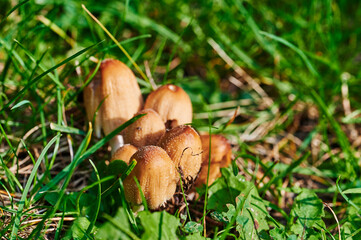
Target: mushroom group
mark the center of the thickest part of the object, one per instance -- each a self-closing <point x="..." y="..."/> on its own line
<point x="167" y="150"/>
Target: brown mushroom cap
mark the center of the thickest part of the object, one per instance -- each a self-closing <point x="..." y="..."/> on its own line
<point x="184" y="147"/>
<point x="124" y="153"/>
<point x="146" y="130"/>
<point x="156" y="174"/>
<point x="172" y="103"/>
<point x="214" y="173"/>
<point x="121" y="92"/>
<point x="221" y="151"/>
<point x="221" y="156"/>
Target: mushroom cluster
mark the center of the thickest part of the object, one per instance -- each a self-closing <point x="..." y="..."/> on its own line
<point x="167" y="150"/>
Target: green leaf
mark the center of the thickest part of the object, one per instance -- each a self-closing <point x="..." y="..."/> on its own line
<point x="195" y="236"/>
<point x="79" y="227"/>
<point x="159" y="225"/>
<point x="251" y="220"/>
<point x="193" y="227"/>
<point x="308" y="210"/>
<point x="277" y="233"/>
<point x="219" y="217"/>
<point x="110" y="231"/>
<point x="52" y="198"/>
<point x="225" y="190"/>
<point x="249" y="212"/>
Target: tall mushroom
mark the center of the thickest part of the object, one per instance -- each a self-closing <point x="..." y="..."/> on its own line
<point x="116" y="85"/>
<point x="156" y="174"/>
<point x="172" y="103"/>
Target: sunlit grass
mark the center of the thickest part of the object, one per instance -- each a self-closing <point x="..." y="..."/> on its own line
<point x="292" y="69"/>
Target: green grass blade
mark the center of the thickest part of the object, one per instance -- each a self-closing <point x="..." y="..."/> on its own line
<point x="21" y="103"/>
<point x="108" y="178"/>
<point x="33" y="81"/>
<point x="123" y="175"/>
<point x="66" y="129"/>
<point x="351" y="164"/>
<point x="346" y="198"/>
<point x="13" y="9"/>
<point x="294" y="48"/>
<point x="27" y="188"/>
<point x="144" y="201"/>
<point x="79" y="157"/>
<point x="255" y="29"/>
<point x="60" y="225"/>
<point x="127" y="208"/>
<point x="284" y="173"/>
<point x="42" y="67"/>
<point x="99" y="196"/>
<point x="120" y="227"/>
<point x="145" y="22"/>
<point x="10" y="176"/>
<point x="352" y="191"/>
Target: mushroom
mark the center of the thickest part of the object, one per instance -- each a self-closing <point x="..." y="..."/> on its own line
<point x="156" y="174"/>
<point x="92" y="100"/>
<point x="172" y="103"/>
<point x="124" y="153"/>
<point x="116" y="85"/>
<point x="221" y="154"/>
<point x="184" y="147"/>
<point x="214" y="173"/>
<point x="146" y="130"/>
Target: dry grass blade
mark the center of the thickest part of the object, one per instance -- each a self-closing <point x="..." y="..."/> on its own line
<point x="240" y="71"/>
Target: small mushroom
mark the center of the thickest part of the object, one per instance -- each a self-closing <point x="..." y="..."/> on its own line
<point x="156" y="174"/>
<point x="184" y="147"/>
<point x="172" y="103"/>
<point x="124" y="153"/>
<point x="221" y="151"/>
<point x="146" y="130"/>
<point x="214" y="173"/>
<point x="221" y="156"/>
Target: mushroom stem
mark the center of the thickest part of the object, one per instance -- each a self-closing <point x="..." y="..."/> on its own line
<point x="116" y="143"/>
